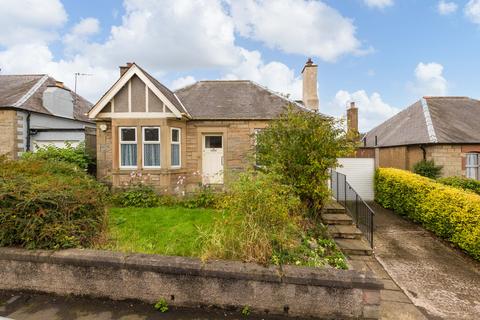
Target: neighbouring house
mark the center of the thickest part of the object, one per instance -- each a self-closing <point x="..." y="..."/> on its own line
<point x="37" y="110"/>
<point x="443" y="129"/>
<point x="192" y="136"/>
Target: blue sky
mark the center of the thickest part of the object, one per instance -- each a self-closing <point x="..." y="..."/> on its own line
<point x="383" y="54"/>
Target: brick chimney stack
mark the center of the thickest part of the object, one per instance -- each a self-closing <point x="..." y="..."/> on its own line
<point x="352" y="119"/>
<point x="310" y="96"/>
<point x="124" y="69"/>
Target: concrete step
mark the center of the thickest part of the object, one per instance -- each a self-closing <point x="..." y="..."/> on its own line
<point x="336" y="219"/>
<point x="333" y="207"/>
<point x="358" y="247"/>
<point x="344" y="231"/>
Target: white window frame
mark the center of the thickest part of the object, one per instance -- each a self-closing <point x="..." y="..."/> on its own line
<point x="256" y="131"/>
<point x="476" y="167"/>
<point x="120" y="142"/>
<point x="151" y="142"/>
<point x="179" y="143"/>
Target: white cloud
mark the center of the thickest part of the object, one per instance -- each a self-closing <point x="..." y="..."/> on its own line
<point x="446" y="7"/>
<point x="472" y="11"/>
<point x="78" y="37"/>
<point x="274" y="75"/>
<point x="182" y="82"/>
<point x="429" y="80"/>
<point x="372" y="110"/>
<point x="310" y="28"/>
<point x="381" y="4"/>
<point x="30" y="21"/>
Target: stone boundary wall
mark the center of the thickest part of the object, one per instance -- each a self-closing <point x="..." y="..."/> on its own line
<point x="187" y="282"/>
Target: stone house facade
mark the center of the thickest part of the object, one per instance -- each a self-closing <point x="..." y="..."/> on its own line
<point x="177" y="141"/>
<point x="37" y="110"/>
<point x="443" y="129"/>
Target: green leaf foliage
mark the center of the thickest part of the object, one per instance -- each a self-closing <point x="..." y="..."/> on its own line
<point x="49" y="204"/>
<point x="74" y="155"/>
<point x="462" y="183"/>
<point x="299" y="148"/>
<point x="427" y="168"/>
<point x="451" y="213"/>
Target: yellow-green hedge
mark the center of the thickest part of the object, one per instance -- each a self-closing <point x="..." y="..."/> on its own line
<point x="451" y="213"/>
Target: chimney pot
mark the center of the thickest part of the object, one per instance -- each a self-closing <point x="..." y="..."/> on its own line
<point x="352" y="105"/>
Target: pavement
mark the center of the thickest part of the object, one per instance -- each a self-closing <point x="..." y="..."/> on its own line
<point x="37" y="306"/>
<point x="441" y="281"/>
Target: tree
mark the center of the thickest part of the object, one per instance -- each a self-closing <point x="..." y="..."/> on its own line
<point x="300" y="147"/>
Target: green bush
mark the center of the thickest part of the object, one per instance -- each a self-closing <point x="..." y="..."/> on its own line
<point x="260" y="215"/>
<point x="300" y="148"/>
<point x="49" y="204"/>
<point x="74" y="155"/>
<point x="138" y="196"/>
<point x="427" y="168"/>
<point x="462" y="183"/>
<point x="450" y="213"/>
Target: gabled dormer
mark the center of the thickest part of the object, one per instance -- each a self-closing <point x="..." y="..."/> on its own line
<point x="137" y="95"/>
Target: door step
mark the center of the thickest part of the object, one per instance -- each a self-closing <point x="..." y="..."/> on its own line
<point x="336" y="219"/>
<point x="344" y="231"/>
<point x="354" y="247"/>
<point x="333" y="207"/>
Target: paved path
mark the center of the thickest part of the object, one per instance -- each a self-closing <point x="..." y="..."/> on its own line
<point x="439" y="279"/>
<point x="28" y="306"/>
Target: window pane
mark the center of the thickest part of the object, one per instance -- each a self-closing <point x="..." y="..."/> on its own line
<point x="175" y="135"/>
<point x="472" y="173"/>
<point x="128" y="134"/>
<point x="472" y="159"/>
<point x="151" y="134"/>
<point x="151" y="155"/>
<point x="175" y="155"/>
<point x="213" y="141"/>
<point x="128" y="155"/>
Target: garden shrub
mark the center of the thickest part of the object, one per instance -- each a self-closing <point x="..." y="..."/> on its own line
<point x="260" y="214"/>
<point x="138" y="196"/>
<point x="451" y="213"/>
<point x="49" y="204"/>
<point x="427" y="168"/>
<point x="462" y="183"/>
<point x="300" y="148"/>
<point x="74" y="155"/>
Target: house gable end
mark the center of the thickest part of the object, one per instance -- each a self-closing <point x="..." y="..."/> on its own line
<point x="131" y="96"/>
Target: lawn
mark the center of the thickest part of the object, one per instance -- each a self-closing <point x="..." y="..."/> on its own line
<point x="162" y="230"/>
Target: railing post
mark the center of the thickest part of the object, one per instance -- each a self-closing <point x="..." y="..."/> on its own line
<point x="338" y="187"/>
<point x="356" y="209"/>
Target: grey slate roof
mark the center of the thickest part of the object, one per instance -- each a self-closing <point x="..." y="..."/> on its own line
<point x="453" y="120"/>
<point x="231" y="99"/>
<point x="26" y="92"/>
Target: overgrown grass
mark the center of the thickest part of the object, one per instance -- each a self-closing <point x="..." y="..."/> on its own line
<point x="161" y="230"/>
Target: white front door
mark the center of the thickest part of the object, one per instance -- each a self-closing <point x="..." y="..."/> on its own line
<point x="212" y="160"/>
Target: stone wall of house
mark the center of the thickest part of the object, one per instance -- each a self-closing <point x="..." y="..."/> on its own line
<point x="448" y="156"/>
<point x="8" y="136"/>
<point x="104" y="151"/>
<point x="237" y="144"/>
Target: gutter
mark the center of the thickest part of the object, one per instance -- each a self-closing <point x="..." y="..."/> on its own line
<point x="28" y="131"/>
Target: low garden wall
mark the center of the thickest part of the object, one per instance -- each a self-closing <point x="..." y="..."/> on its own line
<point x="187" y="282"/>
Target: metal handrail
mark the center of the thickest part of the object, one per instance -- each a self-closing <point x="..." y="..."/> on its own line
<point x="360" y="212"/>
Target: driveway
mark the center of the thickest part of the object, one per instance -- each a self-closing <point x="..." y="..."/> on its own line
<point x="439" y="279"/>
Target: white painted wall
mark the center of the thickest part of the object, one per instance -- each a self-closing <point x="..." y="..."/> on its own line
<point x="360" y="174"/>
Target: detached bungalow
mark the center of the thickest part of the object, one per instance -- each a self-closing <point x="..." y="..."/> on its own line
<point x="443" y="129"/>
<point x="37" y="110"/>
<point x="193" y="135"/>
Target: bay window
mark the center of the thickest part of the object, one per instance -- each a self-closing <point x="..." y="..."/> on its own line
<point x="151" y="147"/>
<point x="472" y="166"/>
<point x="175" y="148"/>
<point x="128" y="147"/>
